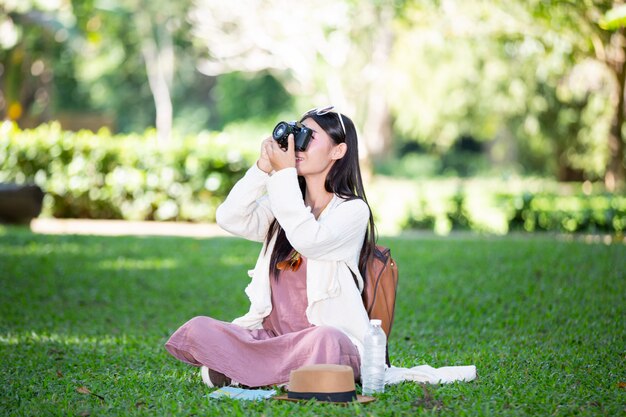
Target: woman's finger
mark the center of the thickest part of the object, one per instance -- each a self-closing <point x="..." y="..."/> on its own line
<point x="291" y="142"/>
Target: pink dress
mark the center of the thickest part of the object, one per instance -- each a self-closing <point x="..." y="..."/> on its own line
<point x="265" y="356"/>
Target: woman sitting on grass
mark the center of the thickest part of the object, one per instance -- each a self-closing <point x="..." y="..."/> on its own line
<point x="309" y="210"/>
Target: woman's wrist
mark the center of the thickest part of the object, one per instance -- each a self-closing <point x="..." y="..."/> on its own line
<point x="264" y="166"/>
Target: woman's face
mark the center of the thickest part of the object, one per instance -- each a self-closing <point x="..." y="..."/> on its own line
<point x="321" y="153"/>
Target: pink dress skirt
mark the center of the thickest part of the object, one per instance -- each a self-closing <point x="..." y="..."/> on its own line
<point x="265" y="356"/>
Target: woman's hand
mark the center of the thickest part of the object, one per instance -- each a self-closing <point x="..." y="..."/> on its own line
<point x="263" y="162"/>
<point x="277" y="157"/>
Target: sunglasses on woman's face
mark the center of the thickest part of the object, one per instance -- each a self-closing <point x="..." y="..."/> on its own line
<point x="326" y="110"/>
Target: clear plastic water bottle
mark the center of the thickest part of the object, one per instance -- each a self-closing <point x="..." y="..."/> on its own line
<point x="373" y="361"/>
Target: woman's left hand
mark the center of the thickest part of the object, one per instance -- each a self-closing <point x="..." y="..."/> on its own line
<point x="279" y="158"/>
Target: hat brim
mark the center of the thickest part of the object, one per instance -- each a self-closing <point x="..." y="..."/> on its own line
<point x="362" y="399"/>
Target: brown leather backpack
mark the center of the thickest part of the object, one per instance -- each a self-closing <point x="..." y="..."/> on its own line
<point x="381" y="285"/>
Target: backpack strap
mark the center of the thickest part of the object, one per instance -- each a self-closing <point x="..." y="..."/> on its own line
<point x="382" y="254"/>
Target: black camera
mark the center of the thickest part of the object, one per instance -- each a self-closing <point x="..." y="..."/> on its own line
<point x="301" y="135"/>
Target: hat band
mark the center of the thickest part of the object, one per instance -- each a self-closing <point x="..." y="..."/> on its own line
<point x="335" y="397"/>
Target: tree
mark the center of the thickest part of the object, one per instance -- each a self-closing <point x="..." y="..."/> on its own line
<point x="325" y="50"/>
<point x="32" y="40"/>
<point x="453" y="74"/>
<point x="507" y="73"/>
<point x="92" y="50"/>
<point x="154" y="26"/>
<point x="595" y="29"/>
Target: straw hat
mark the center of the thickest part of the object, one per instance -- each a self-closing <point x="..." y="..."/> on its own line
<point x="325" y="382"/>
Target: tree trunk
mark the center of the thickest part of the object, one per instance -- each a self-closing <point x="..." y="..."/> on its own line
<point x="615" y="173"/>
<point x="377" y="132"/>
<point x="159" y="59"/>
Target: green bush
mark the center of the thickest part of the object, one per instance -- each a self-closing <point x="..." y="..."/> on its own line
<point x="572" y="213"/>
<point x="99" y="175"/>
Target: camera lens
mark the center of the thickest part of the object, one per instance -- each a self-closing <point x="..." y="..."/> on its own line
<point x="279" y="130"/>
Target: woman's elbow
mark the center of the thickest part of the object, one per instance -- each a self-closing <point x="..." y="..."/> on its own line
<point x="223" y="215"/>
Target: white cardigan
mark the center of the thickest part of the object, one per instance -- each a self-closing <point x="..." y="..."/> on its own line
<point x="331" y="244"/>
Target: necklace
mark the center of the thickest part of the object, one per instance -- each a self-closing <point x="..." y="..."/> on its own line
<point x="292" y="263"/>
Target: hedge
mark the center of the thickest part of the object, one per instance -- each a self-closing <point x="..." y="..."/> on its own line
<point x="527" y="212"/>
<point x="599" y="213"/>
<point x="105" y="176"/>
<point x="132" y="177"/>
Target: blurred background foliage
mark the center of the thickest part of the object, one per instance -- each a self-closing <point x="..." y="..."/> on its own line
<point x="96" y="175"/>
<point x="446" y="94"/>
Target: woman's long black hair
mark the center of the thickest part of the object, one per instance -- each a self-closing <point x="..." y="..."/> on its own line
<point x="344" y="179"/>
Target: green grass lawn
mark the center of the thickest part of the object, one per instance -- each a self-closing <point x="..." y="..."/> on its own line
<point x="543" y="320"/>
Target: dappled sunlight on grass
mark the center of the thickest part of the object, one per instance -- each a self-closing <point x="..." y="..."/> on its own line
<point x="44" y="249"/>
<point x="65" y="339"/>
<point x="139" y="264"/>
<point x="594" y="239"/>
<point x="233" y="260"/>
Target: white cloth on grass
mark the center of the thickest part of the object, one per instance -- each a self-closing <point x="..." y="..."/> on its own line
<point x="430" y="375"/>
<point x="395" y="375"/>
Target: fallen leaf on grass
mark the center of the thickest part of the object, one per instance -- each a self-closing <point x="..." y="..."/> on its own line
<point x="84" y="413"/>
<point x="59" y="374"/>
<point x="140" y="404"/>
<point x="84" y="390"/>
<point x="622" y="385"/>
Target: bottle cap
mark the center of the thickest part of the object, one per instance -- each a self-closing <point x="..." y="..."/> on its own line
<point x="376" y="322"/>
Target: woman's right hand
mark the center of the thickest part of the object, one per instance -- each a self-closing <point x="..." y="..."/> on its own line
<point x="264" y="162"/>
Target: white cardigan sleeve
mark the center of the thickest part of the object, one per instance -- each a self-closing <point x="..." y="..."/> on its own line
<point x="246" y="211"/>
<point x="336" y="236"/>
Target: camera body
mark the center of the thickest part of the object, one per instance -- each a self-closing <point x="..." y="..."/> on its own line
<point x="301" y="135"/>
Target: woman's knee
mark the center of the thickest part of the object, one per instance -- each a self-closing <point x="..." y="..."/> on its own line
<point x="198" y="326"/>
<point x="326" y="334"/>
<point x="199" y="321"/>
